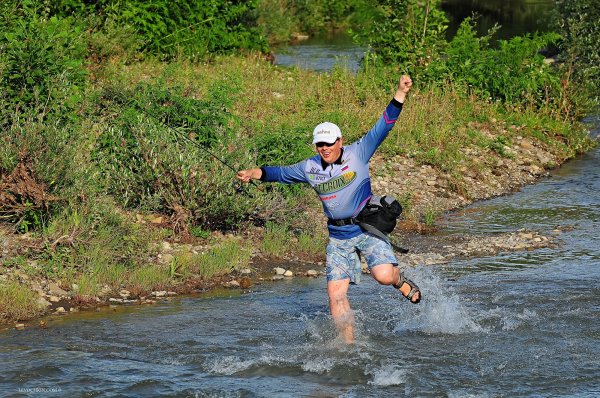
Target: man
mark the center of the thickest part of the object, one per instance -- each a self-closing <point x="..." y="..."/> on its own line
<point x="340" y="176"/>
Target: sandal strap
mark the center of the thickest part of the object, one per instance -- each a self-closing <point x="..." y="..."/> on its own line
<point x="413" y="288"/>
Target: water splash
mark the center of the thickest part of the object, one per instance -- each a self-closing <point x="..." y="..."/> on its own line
<point x="388" y="375"/>
<point x="442" y="310"/>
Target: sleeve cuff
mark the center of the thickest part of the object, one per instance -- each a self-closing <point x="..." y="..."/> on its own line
<point x="397" y="103"/>
<point x="263" y="174"/>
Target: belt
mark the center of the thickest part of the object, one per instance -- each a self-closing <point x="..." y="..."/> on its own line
<point x="342" y="221"/>
<point x="367" y="227"/>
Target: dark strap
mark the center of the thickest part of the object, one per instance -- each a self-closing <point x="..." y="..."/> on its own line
<point x="342" y="222"/>
<point x="369" y="228"/>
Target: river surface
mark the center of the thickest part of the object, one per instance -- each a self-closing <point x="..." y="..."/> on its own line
<point x="524" y="324"/>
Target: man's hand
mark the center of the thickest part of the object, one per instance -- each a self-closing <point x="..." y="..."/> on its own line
<point x="247" y="175"/>
<point x="403" y="88"/>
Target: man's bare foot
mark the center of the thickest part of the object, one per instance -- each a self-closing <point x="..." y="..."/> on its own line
<point x="409" y="289"/>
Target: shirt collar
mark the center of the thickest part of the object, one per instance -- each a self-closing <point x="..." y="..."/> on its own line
<point x="324" y="164"/>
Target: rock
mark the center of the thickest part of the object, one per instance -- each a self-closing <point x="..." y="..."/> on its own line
<point x="43" y="302"/>
<point x="75" y="287"/>
<point x="54" y="299"/>
<point x="166" y="246"/>
<point x="246" y="271"/>
<point x="279" y="271"/>
<point x="526" y="144"/>
<point x="232" y="284"/>
<point x="277" y="95"/>
<point x="105" y="291"/>
<point x="312" y="272"/>
<point x="171" y="293"/>
<point x="73" y="309"/>
<point x="60" y="310"/>
<point x="245" y="283"/>
<point x="167" y="258"/>
<point x="124" y="293"/>
<point x="277" y="277"/>
<point x="20" y="326"/>
<point x="161" y="293"/>
<point x="288" y="273"/>
<point x="115" y="300"/>
<point x="156" y="219"/>
<point x="54" y="290"/>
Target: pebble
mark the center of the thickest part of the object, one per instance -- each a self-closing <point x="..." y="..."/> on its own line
<point x="161" y="293"/>
<point x="288" y="273"/>
<point x="279" y="271"/>
<point x="61" y="310"/>
<point x="312" y="272"/>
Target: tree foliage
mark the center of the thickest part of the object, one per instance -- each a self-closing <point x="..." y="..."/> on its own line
<point x="577" y="22"/>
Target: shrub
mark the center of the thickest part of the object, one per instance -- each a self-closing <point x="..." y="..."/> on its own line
<point x="407" y="33"/>
<point x="167" y="152"/>
<point x="514" y="72"/>
<point x="42" y="64"/>
<point x="179" y="27"/>
<point x="577" y="22"/>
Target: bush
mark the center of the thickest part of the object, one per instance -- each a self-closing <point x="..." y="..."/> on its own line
<point x="42" y="64"/>
<point x="179" y="27"/>
<point x="178" y="169"/>
<point x="408" y="33"/>
<point x="514" y="73"/>
<point x="577" y="22"/>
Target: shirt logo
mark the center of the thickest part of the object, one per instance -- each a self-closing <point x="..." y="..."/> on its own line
<point x="335" y="184"/>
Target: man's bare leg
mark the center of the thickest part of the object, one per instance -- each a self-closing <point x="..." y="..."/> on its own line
<point x="340" y="308"/>
<point x="388" y="274"/>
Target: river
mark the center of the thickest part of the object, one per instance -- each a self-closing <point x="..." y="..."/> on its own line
<point x="523" y="324"/>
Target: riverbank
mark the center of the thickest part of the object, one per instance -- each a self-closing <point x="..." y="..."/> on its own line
<point x="445" y="152"/>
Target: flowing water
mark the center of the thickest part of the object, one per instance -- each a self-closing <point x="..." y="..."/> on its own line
<point x="523" y="324"/>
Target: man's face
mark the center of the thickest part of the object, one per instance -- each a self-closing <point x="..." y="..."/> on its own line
<point x="329" y="152"/>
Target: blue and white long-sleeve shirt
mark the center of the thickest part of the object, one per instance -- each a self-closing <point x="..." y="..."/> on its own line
<point x="344" y="187"/>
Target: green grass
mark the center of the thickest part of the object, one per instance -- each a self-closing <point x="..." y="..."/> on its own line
<point x="18" y="302"/>
<point x="222" y="258"/>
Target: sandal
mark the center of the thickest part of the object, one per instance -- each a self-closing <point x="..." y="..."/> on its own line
<point x="413" y="289"/>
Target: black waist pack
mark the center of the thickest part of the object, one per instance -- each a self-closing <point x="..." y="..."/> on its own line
<point x="381" y="212"/>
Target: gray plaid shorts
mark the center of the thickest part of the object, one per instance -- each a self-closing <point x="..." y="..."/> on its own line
<point x="343" y="256"/>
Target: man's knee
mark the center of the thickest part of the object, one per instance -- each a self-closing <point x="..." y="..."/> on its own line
<point x="385" y="274"/>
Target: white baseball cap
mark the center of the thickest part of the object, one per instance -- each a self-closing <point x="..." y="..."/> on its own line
<point x="326" y="132"/>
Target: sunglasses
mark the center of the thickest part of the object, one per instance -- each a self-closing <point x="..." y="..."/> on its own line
<point x="326" y="144"/>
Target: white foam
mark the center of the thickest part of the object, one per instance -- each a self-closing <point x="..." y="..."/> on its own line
<point x="388" y="375"/>
<point x="228" y="365"/>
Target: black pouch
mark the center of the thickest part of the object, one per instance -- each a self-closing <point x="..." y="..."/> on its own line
<point x="381" y="213"/>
